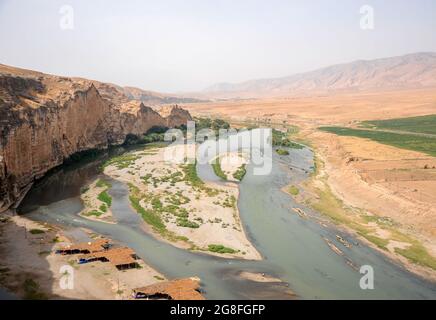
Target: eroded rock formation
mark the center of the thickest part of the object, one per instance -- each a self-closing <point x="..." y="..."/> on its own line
<point x="45" y="119"/>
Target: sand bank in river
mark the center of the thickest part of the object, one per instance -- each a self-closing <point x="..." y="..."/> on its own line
<point x="232" y="165"/>
<point x="30" y="269"/>
<point x="179" y="206"/>
<point x="96" y="202"/>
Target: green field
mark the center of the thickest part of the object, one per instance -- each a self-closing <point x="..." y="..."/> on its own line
<point x="418" y="143"/>
<point x="422" y="124"/>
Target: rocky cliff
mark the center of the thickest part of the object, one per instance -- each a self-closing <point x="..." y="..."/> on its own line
<point x="45" y="119"/>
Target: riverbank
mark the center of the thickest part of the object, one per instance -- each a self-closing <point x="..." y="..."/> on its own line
<point x="382" y="233"/>
<point x="178" y="206"/>
<point x="30" y="268"/>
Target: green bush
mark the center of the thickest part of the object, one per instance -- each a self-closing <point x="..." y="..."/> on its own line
<point x="294" y="190"/>
<point x="282" y="152"/>
<point x="104" y="197"/>
<point x="240" y="173"/>
<point x="36" y="231"/>
<point x="184" y="222"/>
<point x="219" y="248"/>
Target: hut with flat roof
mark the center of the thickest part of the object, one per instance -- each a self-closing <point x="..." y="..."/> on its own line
<point x="85" y="247"/>
<point x="122" y="258"/>
<point x="180" y="289"/>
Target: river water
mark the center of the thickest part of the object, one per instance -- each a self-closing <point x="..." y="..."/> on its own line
<point x="293" y="248"/>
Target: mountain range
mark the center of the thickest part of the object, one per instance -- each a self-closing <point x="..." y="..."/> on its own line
<point x="401" y="72"/>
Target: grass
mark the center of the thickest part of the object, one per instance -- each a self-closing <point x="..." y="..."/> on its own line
<point x="153" y="217"/>
<point x="219" y="248"/>
<point x="282" y="152"/>
<point x="216" y="165"/>
<point x="104" y="197"/>
<point x="103" y="208"/>
<point x="190" y="175"/>
<point x="418" y="255"/>
<point x="294" y="190"/>
<point x="122" y="161"/>
<point x="184" y="222"/>
<point x="421" y="124"/>
<point x="149" y="216"/>
<point x="230" y="202"/>
<point x="403" y="141"/>
<point x="93" y="213"/>
<point x="280" y="138"/>
<point x="192" y="179"/>
<point x="103" y="184"/>
<point x="240" y="173"/>
<point x="36" y="231"/>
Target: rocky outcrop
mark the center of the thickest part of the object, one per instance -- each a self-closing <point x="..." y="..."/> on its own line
<point x="45" y="119"/>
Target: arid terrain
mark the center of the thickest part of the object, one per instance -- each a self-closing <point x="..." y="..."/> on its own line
<point x="389" y="183"/>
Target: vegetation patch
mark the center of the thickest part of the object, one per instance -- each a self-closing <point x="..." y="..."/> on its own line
<point x="230" y="202"/>
<point x="93" y="213"/>
<point x="105" y="197"/>
<point x="36" y="231"/>
<point x="102" y="184"/>
<point x="149" y="216"/>
<point x="190" y="175"/>
<point x="240" y="173"/>
<point x="216" y="165"/>
<point x="122" y="161"/>
<point x="219" y="248"/>
<point x="282" y="152"/>
<point x="213" y="124"/>
<point x="418" y="143"/>
<point x="280" y="138"/>
<point x="184" y="222"/>
<point x="294" y="190"/>
<point x="421" y="124"/>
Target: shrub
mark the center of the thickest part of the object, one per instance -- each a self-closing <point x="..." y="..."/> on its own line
<point x="104" y="197"/>
<point x="240" y="173"/>
<point x="36" y="231"/>
<point x="219" y="248"/>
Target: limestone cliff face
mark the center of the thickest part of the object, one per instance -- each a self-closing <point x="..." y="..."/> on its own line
<point x="45" y="119"/>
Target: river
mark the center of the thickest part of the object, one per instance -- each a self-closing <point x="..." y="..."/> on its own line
<point x="293" y="248"/>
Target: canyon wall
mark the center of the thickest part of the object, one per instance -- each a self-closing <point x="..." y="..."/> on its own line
<point x="45" y="119"/>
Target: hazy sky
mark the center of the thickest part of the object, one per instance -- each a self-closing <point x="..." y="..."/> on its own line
<point x="183" y="45"/>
